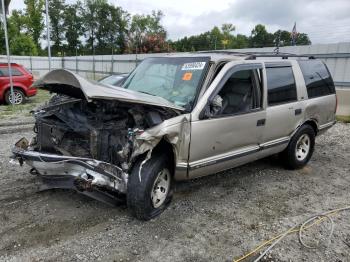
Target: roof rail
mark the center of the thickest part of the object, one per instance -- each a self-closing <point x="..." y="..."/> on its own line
<point x="222" y="52"/>
<point x="254" y="55"/>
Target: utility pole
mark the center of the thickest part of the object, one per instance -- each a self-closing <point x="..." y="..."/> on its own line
<point x="7" y="50"/>
<point x="48" y="32"/>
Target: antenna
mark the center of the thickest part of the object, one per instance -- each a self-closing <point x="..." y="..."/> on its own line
<point x="277" y="49"/>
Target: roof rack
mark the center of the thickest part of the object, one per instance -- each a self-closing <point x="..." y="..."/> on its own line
<point x="254" y="55"/>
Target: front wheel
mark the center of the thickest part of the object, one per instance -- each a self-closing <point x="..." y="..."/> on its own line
<point x="300" y="148"/>
<point x="149" y="187"/>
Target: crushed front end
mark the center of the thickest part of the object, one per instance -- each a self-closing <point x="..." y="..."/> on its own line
<point x="88" y="144"/>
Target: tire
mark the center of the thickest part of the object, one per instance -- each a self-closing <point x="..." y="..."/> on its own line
<point x="149" y="197"/>
<point x="300" y="148"/>
<point x="18" y="94"/>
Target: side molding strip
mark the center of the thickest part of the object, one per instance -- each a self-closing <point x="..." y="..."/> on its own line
<point x="264" y="146"/>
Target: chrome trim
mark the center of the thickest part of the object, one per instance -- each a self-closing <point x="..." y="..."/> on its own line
<point x="50" y="165"/>
<point x="223" y="157"/>
<point x="182" y="166"/>
<point x="327" y="125"/>
<point x="275" y="142"/>
<point x="238" y="154"/>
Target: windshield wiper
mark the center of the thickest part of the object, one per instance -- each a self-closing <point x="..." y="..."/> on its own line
<point x="146" y="93"/>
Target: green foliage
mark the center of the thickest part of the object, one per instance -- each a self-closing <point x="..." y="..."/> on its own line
<point x="303" y="39"/>
<point x="33" y="19"/>
<point x="56" y="14"/>
<point x="217" y="39"/>
<point x="345" y="119"/>
<point x="23" y="44"/>
<point x="98" y="27"/>
<point x="146" y="34"/>
<point x="260" y="37"/>
<point x="73" y="27"/>
<point x="18" y="111"/>
<point x="19" y="42"/>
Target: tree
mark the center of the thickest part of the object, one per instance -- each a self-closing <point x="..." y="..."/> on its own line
<point x="90" y="21"/>
<point x="111" y="31"/>
<point x="303" y="39"/>
<point x="17" y="20"/>
<point x="240" y="41"/>
<point x="56" y="14"/>
<point x="73" y="26"/>
<point x="228" y="37"/>
<point x="282" y="37"/>
<point x="146" y="34"/>
<point x="260" y="37"/>
<point x="34" y="19"/>
<point x="22" y="44"/>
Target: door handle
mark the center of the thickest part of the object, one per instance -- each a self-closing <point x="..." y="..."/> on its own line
<point x="298" y="111"/>
<point x="261" y="122"/>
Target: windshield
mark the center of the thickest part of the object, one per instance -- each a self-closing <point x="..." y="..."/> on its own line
<point x="175" y="79"/>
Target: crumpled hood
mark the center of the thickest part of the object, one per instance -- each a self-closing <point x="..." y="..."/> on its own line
<point x="65" y="82"/>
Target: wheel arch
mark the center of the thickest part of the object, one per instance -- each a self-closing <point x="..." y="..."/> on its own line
<point x="15" y="86"/>
<point x="313" y="123"/>
<point x="164" y="147"/>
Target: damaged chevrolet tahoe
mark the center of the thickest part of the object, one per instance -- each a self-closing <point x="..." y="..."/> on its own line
<point x="176" y="117"/>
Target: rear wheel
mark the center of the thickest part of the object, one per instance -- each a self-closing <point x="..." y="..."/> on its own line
<point x="149" y="187"/>
<point x="300" y="148"/>
<point x="16" y="99"/>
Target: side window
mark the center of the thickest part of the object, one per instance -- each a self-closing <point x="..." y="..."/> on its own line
<point x="5" y="72"/>
<point x="317" y="78"/>
<point x="217" y="71"/>
<point x="280" y="85"/>
<point x="240" y="94"/>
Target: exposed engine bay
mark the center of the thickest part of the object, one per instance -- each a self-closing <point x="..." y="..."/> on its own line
<point x="88" y="136"/>
<point x="101" y="129"/>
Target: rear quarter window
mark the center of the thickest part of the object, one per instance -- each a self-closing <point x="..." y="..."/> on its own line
<point x="317" y="78"/>
<point x="5" y="72"/>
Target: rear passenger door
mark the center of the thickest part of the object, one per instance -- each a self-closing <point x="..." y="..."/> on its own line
<point x="283" y="110"/>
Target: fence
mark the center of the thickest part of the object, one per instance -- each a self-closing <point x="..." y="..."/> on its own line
<point x="92" y="67"/>
<point x="336" y="56"/>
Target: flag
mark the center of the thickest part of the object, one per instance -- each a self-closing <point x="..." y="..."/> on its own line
<point x="294" y="34"/>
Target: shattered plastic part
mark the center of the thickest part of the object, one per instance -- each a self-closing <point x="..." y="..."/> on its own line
<point x="96" y="139"/>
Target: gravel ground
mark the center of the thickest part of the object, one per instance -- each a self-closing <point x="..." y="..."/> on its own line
<point x="216" y="218"/>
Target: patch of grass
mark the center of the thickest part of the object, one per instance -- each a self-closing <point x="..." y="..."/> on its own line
<point x="23" y="110"/>
<point x="345" y="119"/>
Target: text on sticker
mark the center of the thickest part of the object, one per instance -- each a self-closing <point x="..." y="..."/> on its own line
<point x="193" y="66"/>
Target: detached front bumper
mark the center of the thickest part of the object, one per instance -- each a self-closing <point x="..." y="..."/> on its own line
<point x="97" y="179"/>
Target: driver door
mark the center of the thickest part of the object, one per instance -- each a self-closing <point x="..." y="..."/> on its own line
<point x="228" y="135"/>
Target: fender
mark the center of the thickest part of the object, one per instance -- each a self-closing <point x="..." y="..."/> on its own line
<point x="313" y="122"/>
<point x="18" y="85"/>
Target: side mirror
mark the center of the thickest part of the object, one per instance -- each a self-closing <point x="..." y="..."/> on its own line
<point x="212" y="108"/>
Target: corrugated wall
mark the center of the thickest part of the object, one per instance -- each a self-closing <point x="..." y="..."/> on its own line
<point x="337" y="57"/>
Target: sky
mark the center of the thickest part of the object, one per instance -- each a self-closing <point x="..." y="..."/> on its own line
<point x="325" y="21"/>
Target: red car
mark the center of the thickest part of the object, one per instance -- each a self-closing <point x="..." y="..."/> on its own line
<point x="22" y="81"/>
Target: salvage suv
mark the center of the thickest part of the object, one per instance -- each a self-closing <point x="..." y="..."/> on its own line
<point x="176" y="117"/>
